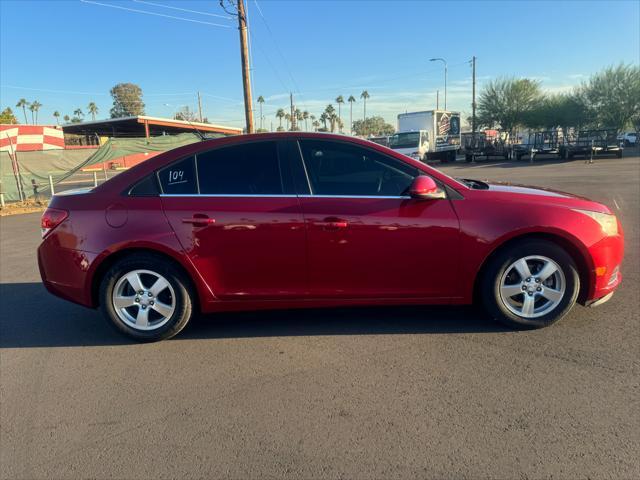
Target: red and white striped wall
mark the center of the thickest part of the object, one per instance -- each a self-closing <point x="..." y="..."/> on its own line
<point x="23" y="138"/>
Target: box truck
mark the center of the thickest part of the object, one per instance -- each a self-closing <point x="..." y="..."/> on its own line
<point x="429" y="135"/>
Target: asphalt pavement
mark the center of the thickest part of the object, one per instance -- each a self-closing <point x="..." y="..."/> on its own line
<point x="415" y="392"/>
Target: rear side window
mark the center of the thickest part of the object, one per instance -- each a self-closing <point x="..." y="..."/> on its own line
<point x="147" y="187"/>
<point x="249" y="169"/>
<point x="179" y="178"/>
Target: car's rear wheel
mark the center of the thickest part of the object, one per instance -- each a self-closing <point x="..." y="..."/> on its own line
<point x="146" y="298"/>
<point x="530" y="284"/>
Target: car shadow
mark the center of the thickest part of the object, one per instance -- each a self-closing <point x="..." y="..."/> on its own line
<point x="31" y="317"/>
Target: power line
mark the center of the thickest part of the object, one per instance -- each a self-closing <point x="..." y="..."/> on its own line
<point x="155" y="14"/>
<point x="184" y="9"/>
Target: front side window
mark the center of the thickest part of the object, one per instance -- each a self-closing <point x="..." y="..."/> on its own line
<point x="179" y="178"/>
<point x="336" y="168"/>
<point x="248" y="169"/>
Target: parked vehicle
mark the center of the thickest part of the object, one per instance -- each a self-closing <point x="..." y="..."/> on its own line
<point x="381" y="140"/>
<point x="485" y="145"/>
<point x="590" y="143"/>
<point x="628" y="139"/>
<point x="299" y="219"/>
<point x="429" y="135"/>
<point x="548" y="142"/>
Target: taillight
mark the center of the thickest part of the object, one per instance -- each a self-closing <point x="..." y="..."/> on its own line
<point x="51" y="218"/>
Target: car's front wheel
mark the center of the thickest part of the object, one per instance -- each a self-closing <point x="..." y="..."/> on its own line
<point x="146" y="298"/>
<point x="530" y="284"/>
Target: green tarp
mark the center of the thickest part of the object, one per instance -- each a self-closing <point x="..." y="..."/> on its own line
<point x="64" y="166"/>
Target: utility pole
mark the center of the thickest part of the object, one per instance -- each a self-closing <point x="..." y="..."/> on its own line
<point x="244" y="54"/>
<point x="293" y="113"/>
<point x="199" y="107"/>
<point x="473" y="96"/>
<point x="437" y="99"/>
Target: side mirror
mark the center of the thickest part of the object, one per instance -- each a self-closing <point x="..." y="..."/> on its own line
<point x="425" y="188"/>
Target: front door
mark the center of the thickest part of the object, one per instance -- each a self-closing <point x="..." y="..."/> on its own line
<point x="237" y="217"/>
<point x="366" y="238"/>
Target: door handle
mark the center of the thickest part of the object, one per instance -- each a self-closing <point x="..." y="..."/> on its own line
<point x="199" y="220"/>
<point x="333" y="223"/>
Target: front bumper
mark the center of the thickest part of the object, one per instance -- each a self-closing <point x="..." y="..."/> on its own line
<point x="606" y="256"/>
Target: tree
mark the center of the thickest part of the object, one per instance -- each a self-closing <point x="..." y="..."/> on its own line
<point x="260" y="102"/>
<point x="364" y="95"/>
<point x="56" y="114"/>
<point x="66" y="119"/>
<point x="323" y="118"/>
<point x="280" y="114"/>
<point x="315" y="125"/>
<point x="373" y="126"/>
<point x="7" y="116"/>
<point x="92" y="108"/>
<point x="36" y="107"/>
<point x="186" y="115"/>
<point x="351" y="101"/>
<point x="127" y="100"/>
<point x="305" y="117"/>
<point x="340" y="101"/>
<point x="613" y="96"/>
<point x="22" y="103"/>
<point x="507" y="102"/>
<point x="32" y="108"/>
<point x="77" y="113"/>
<point x="563" y="110"/>
<point x="287" y="117"/>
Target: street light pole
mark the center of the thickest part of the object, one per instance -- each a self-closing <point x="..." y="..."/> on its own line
<point x="445" y="77"/>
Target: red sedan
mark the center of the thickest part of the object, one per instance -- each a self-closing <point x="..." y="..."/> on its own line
<point x="312" y="220"/>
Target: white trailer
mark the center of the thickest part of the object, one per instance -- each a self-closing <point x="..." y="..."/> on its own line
<point x="428" y="135"/>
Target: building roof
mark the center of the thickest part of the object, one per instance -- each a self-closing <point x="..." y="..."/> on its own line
<point x="136" y="126"/>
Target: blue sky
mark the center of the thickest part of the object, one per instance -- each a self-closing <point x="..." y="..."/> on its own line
<point x="68" y="53"/>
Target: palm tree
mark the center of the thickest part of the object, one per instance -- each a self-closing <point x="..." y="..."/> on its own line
<point x="305" y="117"/>
<point x="56" y="114"/>
<point x="280" y="114"/>
<point x="35" y="106"/>
<point x="66" y="119"/>
<point x="22" y="103"/>
<point x="315" y="125"/>
<point x="312" y="118"/>
<point x="351" y="99"/>
<point x="339" y="101"/>
<point x="299" y="118"/>
<point x="260" y="102"/>
<point x="33" y="110"/>
<point x="78" y="113"/>
<point x="287" y="117"/>
<point x="364" y="95"/>
<point x="323" y="118"/>
<point x="93" y="109"/>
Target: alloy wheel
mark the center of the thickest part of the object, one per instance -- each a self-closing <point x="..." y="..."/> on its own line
<point x="532" y="286"/>
<point x="143" y="300"/>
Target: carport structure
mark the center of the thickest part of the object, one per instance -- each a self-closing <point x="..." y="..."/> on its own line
<point x="144" y="126"/>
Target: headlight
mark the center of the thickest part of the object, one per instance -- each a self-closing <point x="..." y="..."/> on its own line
<point x="608" y="222"/>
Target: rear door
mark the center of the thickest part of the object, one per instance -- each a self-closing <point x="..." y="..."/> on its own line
<point x="236" y="215"/>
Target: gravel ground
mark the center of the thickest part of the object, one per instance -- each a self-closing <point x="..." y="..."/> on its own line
<point x="356" y="393"/>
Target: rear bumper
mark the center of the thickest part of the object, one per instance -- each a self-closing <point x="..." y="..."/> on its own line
<point x="65" y="272"/>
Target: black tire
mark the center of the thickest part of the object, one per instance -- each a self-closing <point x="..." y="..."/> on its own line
<point x="490" y="283"/>
<point x="184" y="296"/>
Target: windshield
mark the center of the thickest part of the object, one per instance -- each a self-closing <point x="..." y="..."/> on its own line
<point x="404" y="140"/>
